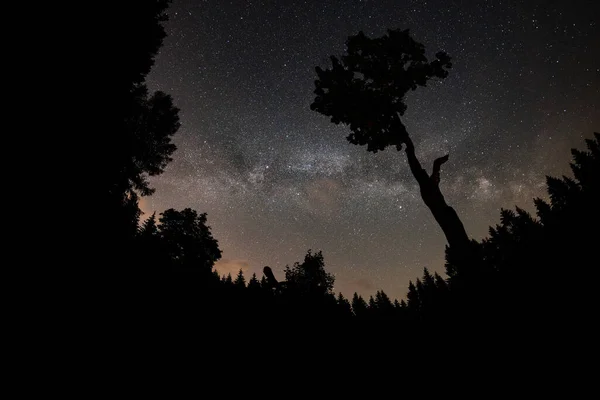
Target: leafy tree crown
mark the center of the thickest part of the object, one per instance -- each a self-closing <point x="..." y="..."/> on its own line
<point x="365" y="89"/>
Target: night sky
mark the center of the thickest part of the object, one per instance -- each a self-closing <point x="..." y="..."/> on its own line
<point x="277" y="179"/>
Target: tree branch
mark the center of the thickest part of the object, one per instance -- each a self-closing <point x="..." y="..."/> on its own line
<point x="415" y="166"/>
<point x="435" y="174"/>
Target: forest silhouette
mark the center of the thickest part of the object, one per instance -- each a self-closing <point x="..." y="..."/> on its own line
<point x="513" y="279"/>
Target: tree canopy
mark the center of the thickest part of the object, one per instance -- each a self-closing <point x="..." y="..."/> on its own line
<point x="138" y="126"/>
<point x="188" y="240"/>
<point x="310" y="277"/>
<point x="365" y="88"/>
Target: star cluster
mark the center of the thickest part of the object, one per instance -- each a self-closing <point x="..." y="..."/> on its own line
<point x="277" y="179"/>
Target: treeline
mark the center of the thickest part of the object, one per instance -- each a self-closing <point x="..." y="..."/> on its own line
<point x="519" y="277"/>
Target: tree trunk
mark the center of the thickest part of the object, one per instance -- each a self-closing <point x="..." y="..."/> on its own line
<point x="445" y="215"/>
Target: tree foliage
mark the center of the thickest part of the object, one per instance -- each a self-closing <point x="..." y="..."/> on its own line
<point x="187" y="239"/>
<point x="138" y="125"/>
<point x="310" y="277"/>
<point x="240" y="280"/>
<point x="359" y="306"/>
<point x="365" y="88"/>
<point x="150" y="126"/>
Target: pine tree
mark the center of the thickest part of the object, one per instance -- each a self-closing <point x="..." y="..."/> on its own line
<point x="365" y="89"/>
<point x="440" y="283"/>
<point x="400" y="309"/>
<point x="151" y="252"/>
<point x="187" y="239"/>
<point x="345" y="309"/>
<point x="413" y="298"/>
<point x="359" y="306"/>
<point x="149" y="228"/>
<point x="253" y="283"/>
<point x="428" y="279"/>
<point x="240" y="281"/>
<point x="524" y="259"/>
<point x="372" y="306"/>
<point x="384" y="304"/>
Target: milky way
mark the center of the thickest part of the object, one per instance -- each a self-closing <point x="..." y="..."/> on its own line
<point x="277" y="179"/>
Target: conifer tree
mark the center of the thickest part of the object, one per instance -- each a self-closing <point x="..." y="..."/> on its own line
<point x="372" y="306"/>
<point x="384" y="304"/>
<point x="264" y="283"/>
<point x="240" y="281"/>
<point x="345" y="309"/>
<point x="253" y="283"/>
<point x="359" y="306"/>
<point x="412" y="297"/>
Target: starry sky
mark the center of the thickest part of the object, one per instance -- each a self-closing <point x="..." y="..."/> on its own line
<point x="277" y="179"/>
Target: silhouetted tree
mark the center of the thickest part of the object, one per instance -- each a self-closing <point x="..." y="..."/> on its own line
<point x="310" y="277"/>
<point x="216" y="276"/>
<point x="138" y="126"/>
<point x="365" y="90"/>
<point x="384" y="304"/>
<point x="359" y="306"/>
<point x="253" y="283"/>
<point x="524" y="261"/>
<point x="440" y="283"/>
<point x="136" y="34"/>
<point x="399" y="310"/>
<point x="264" y="283"/>
<point x="149" y="227"/>
<point x="149" y="234"/>
<point x="188" y="240"/>
<point x="240" y="281"/>
<point x="306" y="292"/>
<point x="372" y="306"/>
<point x="150" y="248"/>
<point x="345" y="309"/>
<point x="412" y="297"/>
